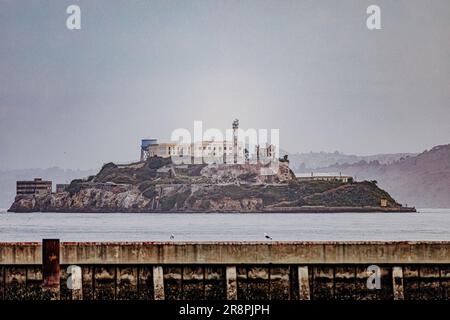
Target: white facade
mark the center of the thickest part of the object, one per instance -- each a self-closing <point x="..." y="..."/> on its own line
<point x="197" y="149"/>
<point x="214" y="151"/>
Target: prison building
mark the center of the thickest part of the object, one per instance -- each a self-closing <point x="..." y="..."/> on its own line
<point x="36" y="187"/>
<point x="208" y="148"/>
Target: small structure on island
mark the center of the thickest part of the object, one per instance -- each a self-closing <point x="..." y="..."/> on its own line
<point x="324" y="177"/>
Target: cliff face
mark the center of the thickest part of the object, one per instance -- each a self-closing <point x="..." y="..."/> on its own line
<point x="88" y="199"/>
<point x="159" y="186"/>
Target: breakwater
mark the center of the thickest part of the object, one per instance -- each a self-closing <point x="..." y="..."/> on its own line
<point x="225" y="270"/>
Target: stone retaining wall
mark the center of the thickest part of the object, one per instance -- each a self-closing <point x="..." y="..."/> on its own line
<point x="233" y="270"/>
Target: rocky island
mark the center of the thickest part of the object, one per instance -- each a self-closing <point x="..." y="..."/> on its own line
<point x="158" y="185"/>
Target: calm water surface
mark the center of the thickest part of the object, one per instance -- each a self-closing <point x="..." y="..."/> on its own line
<point x="429" y="224"/>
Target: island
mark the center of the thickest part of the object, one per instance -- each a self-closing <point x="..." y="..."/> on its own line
<point x="159" y="185"/>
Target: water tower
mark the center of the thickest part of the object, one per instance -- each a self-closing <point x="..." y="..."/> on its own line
<point x="145" y="147"/>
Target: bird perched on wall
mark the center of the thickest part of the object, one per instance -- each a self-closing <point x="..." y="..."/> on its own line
<point x="172" y="236"/>
<point x="267" y="236"/>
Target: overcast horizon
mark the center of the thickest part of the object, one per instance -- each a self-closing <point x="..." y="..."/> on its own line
<point x="140" y="69"/>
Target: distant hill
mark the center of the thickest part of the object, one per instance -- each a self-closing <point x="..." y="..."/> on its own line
<point x="8" y="180"/>
<point x="422" y="180"/>
<point x="305" y="162"/>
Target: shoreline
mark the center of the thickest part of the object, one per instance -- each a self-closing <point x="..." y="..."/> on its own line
<point x="274" y="210"/>
<point x="337" y="209"/>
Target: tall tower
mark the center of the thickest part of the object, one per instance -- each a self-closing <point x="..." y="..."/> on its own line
<point x="235" y="139"/>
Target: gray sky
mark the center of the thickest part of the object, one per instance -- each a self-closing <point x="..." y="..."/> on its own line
<point x="136" y="69"/>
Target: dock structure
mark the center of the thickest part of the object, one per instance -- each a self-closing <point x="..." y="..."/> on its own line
<point x="225" y="270"/>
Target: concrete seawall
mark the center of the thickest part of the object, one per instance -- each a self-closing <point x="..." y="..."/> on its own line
<point x="231" y="270"/>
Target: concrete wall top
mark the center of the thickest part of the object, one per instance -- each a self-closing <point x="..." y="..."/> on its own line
<point x="330" y="252"/>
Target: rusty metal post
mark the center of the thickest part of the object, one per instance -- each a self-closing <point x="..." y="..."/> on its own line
<point x="50" y="269"/>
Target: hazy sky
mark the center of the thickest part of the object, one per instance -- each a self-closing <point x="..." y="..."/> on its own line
<point x="137" y="69"/>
